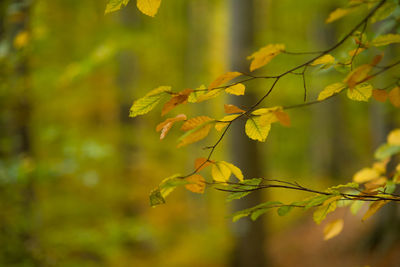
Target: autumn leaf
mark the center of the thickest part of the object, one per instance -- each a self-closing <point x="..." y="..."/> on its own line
<point x="209" y="95"/>
<point x="229" y="108"/>
<point x="194" y="96"/>
<point x="179" y="98"/>
<point x="114" y="5"/>
<point x="237" y="89"/>
<point x="331" y="90"/>
<point x="338" y="13"/>
<point x="262" y="111"/>
<point x="221" y="124"/>
<point x="224" y="78"/>
<point x="380" y="95"/>
<point x="325" y="59"/>
<point x="356" y="51"/>
<point x="197" y="184"/>
<point x="333" y="228"/>
<point x="195" y="134"/>
<point x="201" y="163"/>
<point x="365" y="175"/>
<point x="166" y="125"/>
<point x="394" y="137"/>
<point x="148" y="102"/>
<point x="220" y="172"/>
<point x="148" y="7"/>
<point x="235" y="170"/>
<point x="194" y="122"/>
<point x="283" y="118"/>
<point x="394" y="97"/>
<point x="373" y="208"/>
<point x="361" y="92"/>
<point x="376" y="59"/>
<point x="255" y="130"/>
<point x="327" y="207"/>
<point x="386" y="39"/>
<point x="21" y="40"/>
<point x="358" y="75"/>
<point x="265" y="55"/>
<point x="268" y="118"/>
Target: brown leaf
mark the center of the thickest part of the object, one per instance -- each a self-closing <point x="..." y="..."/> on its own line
<point x="179" y="98"/>
<point x="166" y="125"/>
<point x="229" y="108"/>
<point x="283" y="118"/>
<point x="201" y="163"/>
<point x="194" y="122"/>
<point x="379" y="95"/>
<point x="224" y="78"/>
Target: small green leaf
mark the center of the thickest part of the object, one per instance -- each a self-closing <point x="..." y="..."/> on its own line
<point x="156" y="198"/>
<point x="356" y="206"/>
<point x="390" y="187"/>
<point x="148" y="102"/>
<point x="317" y="200"/>
<point x="114" y="5"/>
<point x="386" y="151"/>
<point x="282" y="211"/>
<point x="247" y="184"/>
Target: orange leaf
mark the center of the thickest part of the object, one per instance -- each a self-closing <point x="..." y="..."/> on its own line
<point x="394" y="97"/>
<point x="197" y="183"/>
<point x="283" y="118"/>
<point x="376" y="60"/>
<point x="379" y="95"/>
<point x="179" y="98"/>
<point x="194" y="122"/>
<point x="201" y="163"/>
<point x="229" y="108"/>
<point x="358" y="75"/>
<point x="166" y="125"/>
<point x="224" y="78"/>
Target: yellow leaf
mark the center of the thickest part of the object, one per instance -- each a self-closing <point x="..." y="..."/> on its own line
<point x="394" y="97"/>
<point x="394" y="137"/>
<point x="338" y="13"/>
<point x="268" y="118"/>
<point x="209" y="95"/>
<point x="179" y="98"/>
<point x="365" y="175"/>
<point x="197" y="183"/>
<point x="386" y="39"/>
<point x="255" y="130"/>
<point x="201" y="163"/>
<point x="373" y="208"/>
<point x="380" y="95"/>
<point x="229" y="108"/>
<point x="148" y="7"/>
<point x="237" y="89"/>
<point x="220" y="172"/>
<point x="194" y="122"/>
<point x="166" y="125"/>
<point x="333" y="228"/>
<point x="221" y="124"/>
<point x="196" y="134"/>
<point x="358" y="75"/>
<point x="193" y="97"/>
<point x="148" y="102"/>
<point x="114" y="5"/>
<point x="235" y="170"/>
<point x="224" y="78"/>
<point x="356" y="51"/>
<point x="283" y="118"/>
<point x="264" y="55"/>
<point x="380" y="166"/>
<point x="327" y="207"/>
<point x="325" y="59"/>
<point x="361" y="92"/>
<point x="262" y="111"/>
<point x="21" y="39"/>
<point x="331" y="90"/>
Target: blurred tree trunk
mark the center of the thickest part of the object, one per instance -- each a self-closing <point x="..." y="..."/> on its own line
<point x="249" y="236"/>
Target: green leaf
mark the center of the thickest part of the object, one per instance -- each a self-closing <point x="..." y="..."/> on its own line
<point x="340" y="186"/>
<point x="247" y="184"/>
<point x="386" y="39"/>
<point x="317" y="200"/>
<point x="327" y="207"/>
<point x="390" y="187"/>
<point x="148" y="102"/>
<point x="385" y="151"/>
<point x="255" y="130"/>
<point x="169" y="184"/>
<point x="114" y="5"/>
<point x="282" y="211"/>
<point x="196" y="94"/>
<point x="383" y="12"/>
<point x="263" y="208"/>
<point x="156" y="198"/>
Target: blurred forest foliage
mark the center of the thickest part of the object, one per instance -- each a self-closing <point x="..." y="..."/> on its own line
<point x="76" y="172"/>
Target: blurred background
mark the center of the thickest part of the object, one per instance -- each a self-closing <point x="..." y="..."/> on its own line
<point x="76" y="171"/>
